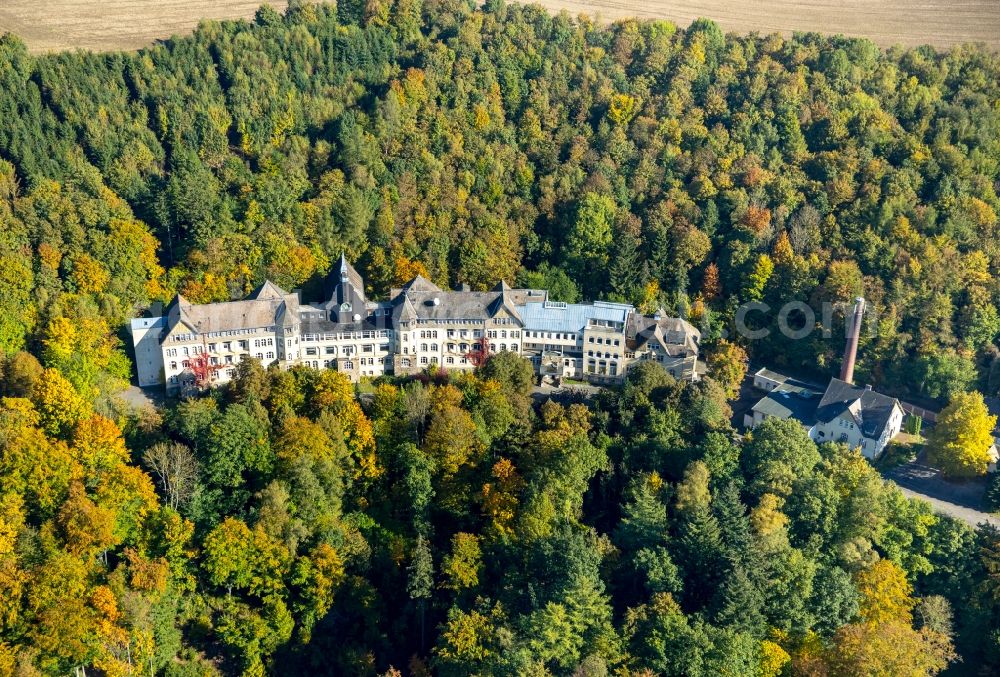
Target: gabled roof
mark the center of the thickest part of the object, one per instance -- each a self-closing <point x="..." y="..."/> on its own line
<point x="419" y="283"/>
<point x="435" y="304"/>
<point x="267" y="290"/>
<point x="673" y="334"/>
<point x="869" y="410"/>
<point x="403" y="310"/>
<point x="266" y="306"/>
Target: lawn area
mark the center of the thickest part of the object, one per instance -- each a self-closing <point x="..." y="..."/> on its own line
<point x="903" y="449"/>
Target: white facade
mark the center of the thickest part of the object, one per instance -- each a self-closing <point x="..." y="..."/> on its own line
<point x="858" y="417"/>
<point x="148" y="352"/>
<point x="421" y="326"/>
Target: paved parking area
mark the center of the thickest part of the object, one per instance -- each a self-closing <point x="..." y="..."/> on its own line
<point x="143" y="397"/>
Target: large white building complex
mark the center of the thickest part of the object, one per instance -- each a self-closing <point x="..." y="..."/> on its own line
<point x="419" y="326"/>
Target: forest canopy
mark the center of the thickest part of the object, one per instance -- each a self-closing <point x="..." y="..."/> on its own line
<point x="295" y="523"/>
<point x="685" y="169"/>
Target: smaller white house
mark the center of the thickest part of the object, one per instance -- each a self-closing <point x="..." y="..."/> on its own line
<point x="858" y="417"/>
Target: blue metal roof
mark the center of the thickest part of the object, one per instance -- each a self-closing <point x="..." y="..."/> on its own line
<point x="558" y="316"/>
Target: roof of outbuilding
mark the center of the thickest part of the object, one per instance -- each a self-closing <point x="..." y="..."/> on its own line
<point x="785" y="380"/>
<point x="798" y="404"/>
<point x="869" y="410"/>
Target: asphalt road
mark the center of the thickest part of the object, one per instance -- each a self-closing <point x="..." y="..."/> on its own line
<point x="968" y="515"/>
<point x="961" y="500"/>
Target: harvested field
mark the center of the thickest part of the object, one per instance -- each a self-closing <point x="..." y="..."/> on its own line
<point x="103" y="25"/>
<point x="130" y="24"/>
<point x="941" y="23"/>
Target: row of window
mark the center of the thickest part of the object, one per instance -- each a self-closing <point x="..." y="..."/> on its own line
<point x="424" y="361"/>
<point x="236" y="332"/>
<point x="346" y="336"/>
<point x="559" y="336"/>
<point x="452" y="333"/>
<point x="459" y="347"/>
<point x="227" y="373"/>
<point x="187" y="338"/>
<point x="348" y="364"/>
<point x="600" y="340"/>
<point x="185" y="351"/>
<point x="503" y="334"/>
<point x="226" y="347"/>
<point x="347" y="351"/>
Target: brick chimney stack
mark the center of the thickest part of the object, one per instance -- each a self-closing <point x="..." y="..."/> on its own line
<point x="851" y="352"/>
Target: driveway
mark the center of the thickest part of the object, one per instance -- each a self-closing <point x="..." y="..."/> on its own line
<point x="962" y="500"/>
<point x="971" y="517"/>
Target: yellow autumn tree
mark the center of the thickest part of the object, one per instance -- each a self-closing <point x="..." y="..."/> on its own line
<point x="32" y="465"/>
<point x="773" y="659"/>
<point x="89" y="276"/>
<point x="98" y="445"/>
<point x="333" y="392"/>
<point x="451" y="436"/>
<point x="885" y="593"/>
<point x="462" y="565"/>
<point x="961" y="441"/>
<point x="892" y="649"/>
<point x="87" y="528"/>
<point x="500" y="497"/>
<point x="317" y="576"/>
<point x="727" y="364"/>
